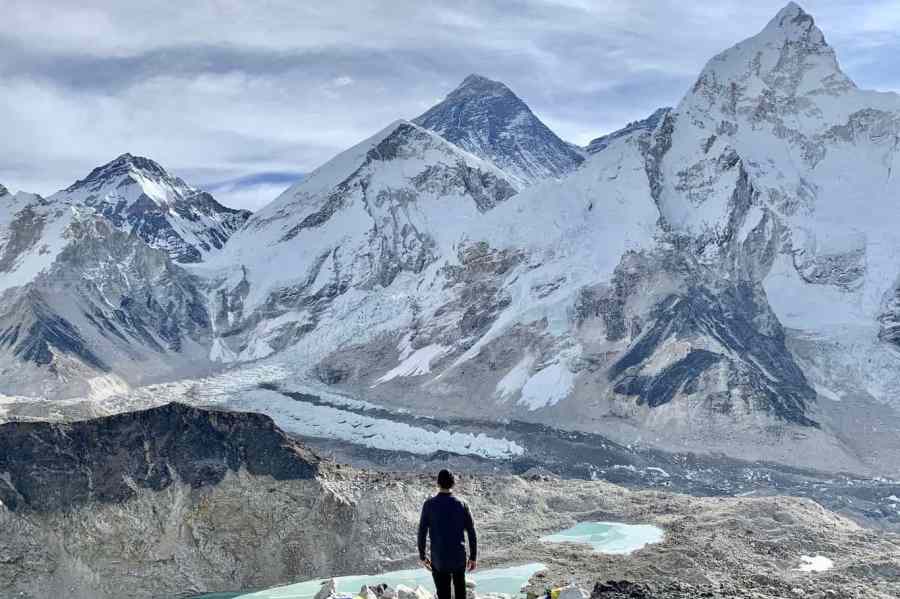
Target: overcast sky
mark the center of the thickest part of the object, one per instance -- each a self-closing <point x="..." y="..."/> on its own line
<point x="239" y="97"/>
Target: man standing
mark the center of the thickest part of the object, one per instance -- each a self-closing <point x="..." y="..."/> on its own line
<point x="445" y="518"/>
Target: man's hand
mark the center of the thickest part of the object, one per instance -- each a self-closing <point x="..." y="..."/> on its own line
<point x="471" y="565"/>
<point x="426" y="563"/>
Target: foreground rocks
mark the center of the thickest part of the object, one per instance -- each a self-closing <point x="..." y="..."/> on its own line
<point x="273" y="514"/>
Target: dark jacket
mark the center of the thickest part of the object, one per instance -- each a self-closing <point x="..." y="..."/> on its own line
<point x="445" y="518"/>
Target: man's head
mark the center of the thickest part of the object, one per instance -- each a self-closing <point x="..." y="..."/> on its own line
<point x="445" y="480"/>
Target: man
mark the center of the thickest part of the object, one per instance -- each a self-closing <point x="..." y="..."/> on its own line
<point x="445" y="518"/>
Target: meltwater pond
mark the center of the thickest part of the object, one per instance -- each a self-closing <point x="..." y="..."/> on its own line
<point x="605" y="537"/>
<point x="609" y="537"/>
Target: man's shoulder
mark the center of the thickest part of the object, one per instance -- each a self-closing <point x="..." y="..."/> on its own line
<point x="458" y="501"/>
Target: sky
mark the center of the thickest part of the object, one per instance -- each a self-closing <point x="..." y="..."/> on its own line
<point x="242" y="97"/>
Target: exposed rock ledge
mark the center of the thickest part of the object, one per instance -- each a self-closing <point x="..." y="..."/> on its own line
<point x="176" y="501"/>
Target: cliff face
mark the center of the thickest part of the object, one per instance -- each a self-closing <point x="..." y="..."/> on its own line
<point x="162" y="502"/>
<point x="47" y="467"/>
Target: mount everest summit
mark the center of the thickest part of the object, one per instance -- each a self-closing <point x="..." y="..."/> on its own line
<point x="719" y="277"/>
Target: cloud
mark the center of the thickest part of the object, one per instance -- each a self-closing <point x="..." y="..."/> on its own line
<point x="220" y="92"/>
<point x="251" y="191"/>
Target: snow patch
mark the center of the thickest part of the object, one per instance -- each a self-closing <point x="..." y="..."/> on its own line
<point x="515" y="379"/>
<point x="816" y="563"/>
<point x="547" y="387"/>
<point x="416" y="364"/>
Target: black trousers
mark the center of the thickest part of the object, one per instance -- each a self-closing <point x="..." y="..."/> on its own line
<point x="442" y="582"/>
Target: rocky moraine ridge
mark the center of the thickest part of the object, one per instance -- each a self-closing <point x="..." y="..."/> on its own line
<point x="177" y="501"/>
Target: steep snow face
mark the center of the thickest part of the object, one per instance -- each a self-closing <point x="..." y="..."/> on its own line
<point x="487" y="119"/>
<point x="31" y="236"/>
<point x="648" y="124"/>
<point x="138" y="196"/>
<point x="389" y="208"/>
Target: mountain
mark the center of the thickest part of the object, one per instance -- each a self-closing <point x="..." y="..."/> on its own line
<point x="719" y="278"/>
<point x="648" y="124"/>
<point x="652" y="294"/>
<point x="486" y="118"/>
<point x="91" y="299"/>
<point x="371" y="220"/>
<point x="94" y="309"/>
<point x="138" y="196"/>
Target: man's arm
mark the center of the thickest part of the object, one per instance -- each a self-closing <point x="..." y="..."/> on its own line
<point x="423" y="530"/>
<point x="470" y="532"/>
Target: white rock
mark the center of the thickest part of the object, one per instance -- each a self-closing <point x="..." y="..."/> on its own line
<point x="329" y="588"/>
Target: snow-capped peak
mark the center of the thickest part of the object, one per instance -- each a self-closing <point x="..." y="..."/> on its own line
<point x="796" y="24"/>
<point x="138" y="196"/>
<point x="647" y="124"/>
<point x="3" y="191"/>
<point x="788" y="58"/>
<point x="486" y="118"/>
<point x="152" y="178"/>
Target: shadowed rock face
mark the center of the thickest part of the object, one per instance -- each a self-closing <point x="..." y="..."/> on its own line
<point x="487" y="119"/>
<point x="46" y="467"/>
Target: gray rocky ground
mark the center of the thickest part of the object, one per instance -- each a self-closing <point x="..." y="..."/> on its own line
<point x="236" y="505"/>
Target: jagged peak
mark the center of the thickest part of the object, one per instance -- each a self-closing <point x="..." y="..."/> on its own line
<point x="3" y="190"/>
<point x="789" y="56"/>
<point x="795" y="23"/>
<point x="125" y="164"/>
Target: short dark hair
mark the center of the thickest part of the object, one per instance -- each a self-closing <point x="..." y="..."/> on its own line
<point x="445" y="479"/>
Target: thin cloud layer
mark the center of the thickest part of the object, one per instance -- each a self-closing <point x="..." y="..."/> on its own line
<point x="221" y="92"/>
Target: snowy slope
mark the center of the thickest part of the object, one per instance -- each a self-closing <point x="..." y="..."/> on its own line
<point x="819" y="156"/>
<point x="31" y="236"/>
<point x="648" y="124"/>
<point x="388" y="208"/>
<point x="138" y="196"/>
<point x="487" y="119"/>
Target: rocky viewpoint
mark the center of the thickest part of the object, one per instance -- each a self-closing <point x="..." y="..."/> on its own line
<point x="176" y="501"/>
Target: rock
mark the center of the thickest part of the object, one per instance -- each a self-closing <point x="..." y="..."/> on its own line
<point x="420" y="592"/>
<point x="384" y="591"/>
<point x="571" y="591"/>
<point x="329" y="588"/>
<point x="620" y="589"/>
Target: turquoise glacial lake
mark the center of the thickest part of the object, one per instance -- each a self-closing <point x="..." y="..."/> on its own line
<point x="603" y="537"/>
